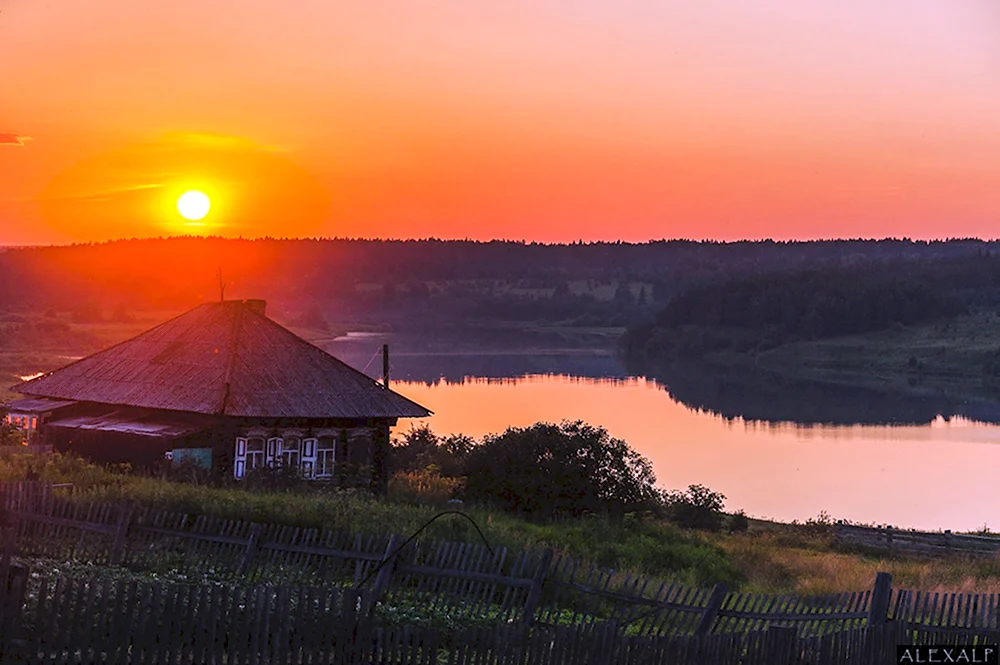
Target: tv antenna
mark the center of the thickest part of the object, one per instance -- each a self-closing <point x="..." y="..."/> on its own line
<point x="222" y="285"/>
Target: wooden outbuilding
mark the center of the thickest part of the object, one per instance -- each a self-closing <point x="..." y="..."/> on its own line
<point x="220" y="385"/>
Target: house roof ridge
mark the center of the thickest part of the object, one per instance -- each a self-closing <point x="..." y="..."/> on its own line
<point x="226" y="359"/>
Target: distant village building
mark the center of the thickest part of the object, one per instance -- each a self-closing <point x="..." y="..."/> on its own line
<point x="221" y="386"/>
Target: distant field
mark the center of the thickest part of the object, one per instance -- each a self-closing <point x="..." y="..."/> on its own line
<point x="32" y="343"/>
<point x="961" y="356"/>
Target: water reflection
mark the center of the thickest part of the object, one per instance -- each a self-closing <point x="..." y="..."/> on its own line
<point x="922" y="476"/>
<point x="776" y="448"/>
<point x="745" y="394"/>
<point x="454" y="364"/>
<point x="753" y="394"/>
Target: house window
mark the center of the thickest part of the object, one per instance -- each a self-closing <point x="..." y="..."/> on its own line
<point x="255" y="453"/>
<point x="289" y="452"/>
<point x="273" y="451"/>
<point x="308" y="457"/>
<point x="326" y="447"/>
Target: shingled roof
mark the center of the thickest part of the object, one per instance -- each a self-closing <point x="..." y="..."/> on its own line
<point x="224" y="358"/>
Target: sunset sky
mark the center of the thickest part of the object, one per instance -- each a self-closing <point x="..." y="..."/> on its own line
<point x="541" y="120"/>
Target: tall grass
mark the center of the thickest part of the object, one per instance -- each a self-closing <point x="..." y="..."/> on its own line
<point x="641" y="546"/>
<point x="767" y="559"/>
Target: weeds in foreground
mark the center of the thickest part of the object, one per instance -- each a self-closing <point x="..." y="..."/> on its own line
<point x="766" y="558"/>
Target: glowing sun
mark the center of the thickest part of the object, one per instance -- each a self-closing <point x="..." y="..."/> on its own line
<point x="193" y="205"/>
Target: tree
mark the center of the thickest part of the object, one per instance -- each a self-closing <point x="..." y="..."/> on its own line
<point x="421" y="448"/>
<point x="566" y="469"/>
<point x="623" y="295"/>
<point x="697" y="508"/>
<point x="9" y="435"/>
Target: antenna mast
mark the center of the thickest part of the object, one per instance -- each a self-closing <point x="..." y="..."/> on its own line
<point x="222" y="285"/>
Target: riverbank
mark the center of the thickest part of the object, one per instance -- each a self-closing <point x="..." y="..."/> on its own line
<point x="959" y="357"/>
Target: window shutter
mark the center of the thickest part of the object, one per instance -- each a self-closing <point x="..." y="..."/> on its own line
<point x="308" y="457"/>
<point x="273" y="451"/>
<point x="240" y="459"/>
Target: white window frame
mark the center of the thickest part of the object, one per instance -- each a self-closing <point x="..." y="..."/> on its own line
<point x="240" y="458"/>
<point x="273" y="451"/>
<point x="325" y="471"/>
<point x="307" y="456"/>
<point x="254" y="458"/>
<point x="284" y="452"/>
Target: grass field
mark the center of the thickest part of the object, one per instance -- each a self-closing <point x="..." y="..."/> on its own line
<point x="768" y="558"/>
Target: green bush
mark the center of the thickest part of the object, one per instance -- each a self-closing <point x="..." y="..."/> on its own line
<point x="423" y="487"/>
<point x="697" y="508"/>
<point x="738" y="522"/>
<point x="567" y="469"/>
<point x="421" y="448"/>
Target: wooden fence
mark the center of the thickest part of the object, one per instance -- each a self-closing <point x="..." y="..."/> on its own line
<point x="915" y="541"/>
<point x="76" y="621"/>
<point x="469" y="583"/>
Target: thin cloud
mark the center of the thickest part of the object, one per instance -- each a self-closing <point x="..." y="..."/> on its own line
<point x="182" y="140"/>
<point x="13" y="139"/>
<point x="102" y="195"/>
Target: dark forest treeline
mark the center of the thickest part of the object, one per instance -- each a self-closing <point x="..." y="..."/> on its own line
<point x="385" y="281"/>
<point x="763" y="311"/>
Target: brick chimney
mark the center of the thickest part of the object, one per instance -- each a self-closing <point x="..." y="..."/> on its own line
<point x="256" y="306"/>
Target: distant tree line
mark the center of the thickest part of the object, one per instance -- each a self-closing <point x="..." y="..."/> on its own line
<point x="763" y="311"/>
<point x="395" y="281"/>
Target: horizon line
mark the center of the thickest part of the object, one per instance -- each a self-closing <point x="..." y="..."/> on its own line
<point x="514" y="241"/>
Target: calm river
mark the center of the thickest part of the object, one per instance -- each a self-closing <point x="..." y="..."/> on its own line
<point x="785" y="452"/>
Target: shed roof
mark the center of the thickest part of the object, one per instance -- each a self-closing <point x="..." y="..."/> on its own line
<point x="37" y="404"/>
<point x="157" y="426"/>
<point x="224" y="358"/>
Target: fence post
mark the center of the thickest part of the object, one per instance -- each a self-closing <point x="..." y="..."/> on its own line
<point x="719" y="592"/>
<point x="604" y="643"/>
<point x="14" y="585"/>
<point x="251" y="551"/>
<point x="878" y="611"/>
<point x="780" y="644"/>
<point x="121" y="531"/>
<point x="384" y="577"/>
<point x="8" y="545"/>
<point x="535" y="592"/>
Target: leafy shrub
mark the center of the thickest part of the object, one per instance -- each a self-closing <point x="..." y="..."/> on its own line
<point x="57" y="468"/>
<point x="275" y="479"/>
<point x="821" y="525"/>
<point x="422" y="487"/>
<point x="566" y="469"/>
<point x="10" y="435"/>
<point x="421" y="448"/>
<point x="738" y="522"/>
<point x="697" y="508"/>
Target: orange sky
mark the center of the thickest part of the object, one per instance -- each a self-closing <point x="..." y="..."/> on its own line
<point x="541" y="120"/>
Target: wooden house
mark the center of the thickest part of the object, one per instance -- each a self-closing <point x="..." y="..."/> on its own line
<point x="220" y="385"/>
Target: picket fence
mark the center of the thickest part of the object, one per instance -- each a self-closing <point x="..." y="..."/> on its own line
<point x="923" y="542"/>
<point x="80" y="621"/>
<point x="463" y="579"/>
<point x="470" y="584"/>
